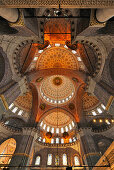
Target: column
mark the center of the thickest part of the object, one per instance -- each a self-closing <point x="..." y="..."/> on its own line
<point x="11" y="93"/>
<point x="102" y="15"/>
<point x="24" y="149"/>
<point x="10" y="14"/>
<point x="90" y="153"/>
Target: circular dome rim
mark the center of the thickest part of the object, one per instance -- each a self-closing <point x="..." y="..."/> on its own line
<point x="66" y="99"/>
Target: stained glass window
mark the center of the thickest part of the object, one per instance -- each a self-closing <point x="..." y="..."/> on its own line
<point x="76" y="161"/>
<point x="44" y="140"/>
<point x="20" y="112"/>
<point x="52" y="130"/>
<point x="62" y="130"/>
<point x="57" y="160"/>
<point x="64" y="159"/>
<point x="44" y="126"/>
<point x="52" y="140"/>
<point x="37" y="162"/>
<point x="70" y="127"/>
<point x="48" y="128"/>
<point x="72" y="123"/>
<point x="103" y="106"/>
<point x="62" y="140"/>
<point x="15" y="109"/>
<point x="70" y="140"/>
<point x="49" y="161"/>
<point x="94" y="113"/>
<point x="99" y="110"/>
<point x="57" y="130"/>
<point x="57" y="140"/>
<point x="41" y="123"/>
<point x="66" y="128"/>
<point x="11" y="105"/>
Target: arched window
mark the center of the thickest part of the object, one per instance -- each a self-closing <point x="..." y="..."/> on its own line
<point x="49" y="161"/>
<point x="56" y="160"/>
<point x="64" y="159"/>
<point x="76" y="161"/>
<point x="37" y="161"/>
<point x="52" y="140"/>
<point x="7" y="148"/>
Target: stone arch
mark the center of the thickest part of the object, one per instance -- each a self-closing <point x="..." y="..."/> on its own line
<point x="34" y="158"/>
<point x="10" y="47"/>
<point x="100" y="50"/>
<point x="2" y="67"/>
<point x="79" y="158"/>
<point x="15" y="122"/>
<point x="65" y="111"/>
<point x="93" y="59"/>
<point x="57" y="57"/>
<point x="111" y="67"/>
<point x="5" y="70"/>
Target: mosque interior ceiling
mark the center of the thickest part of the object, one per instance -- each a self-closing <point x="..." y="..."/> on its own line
<point x="56" y="85"/>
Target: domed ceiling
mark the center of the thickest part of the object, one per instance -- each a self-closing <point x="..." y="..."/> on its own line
<point x="24" y="102"/>
<point x="57" y="89"/>
<point x="57" y="118"/>
<point x="57" y="57"/>
<point x="89" y="102"/>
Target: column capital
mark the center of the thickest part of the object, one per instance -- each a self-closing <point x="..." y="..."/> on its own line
<point x="30" y="131"/>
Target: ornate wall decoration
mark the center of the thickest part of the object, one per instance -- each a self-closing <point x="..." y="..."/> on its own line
<point x="42" y="46"/>
<point x="39" y="79"/>
<point x="65" y="135"/>
<point x="55" y="3"/>
<point x="57" y="118"/>
<point x="71" y="46"/>
<point x="53" y="34"/>
<point x="57" y="57"/>
<point x="49" y="135"/>
<point x="75" y="79"/>
<point x="89" y="102"/>
<point x="96" y="51"/>
<point x="57" y="89"/>
<point x="24" y="102"/>
<point x="71" y="106"/>
<point x="42" y="106"/>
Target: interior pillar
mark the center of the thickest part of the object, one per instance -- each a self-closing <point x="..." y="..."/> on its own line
<point x="21" y="157"/>
<point x="10" y="94"/>
<point x="90" y="153"/>
<point x="103" y="15"/>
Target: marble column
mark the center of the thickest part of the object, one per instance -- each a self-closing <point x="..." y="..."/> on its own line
<point x="88" y="147"/>
<point x="21" y="157"/>
<point x="102" y="15"/>
<point x="10" y="14"/>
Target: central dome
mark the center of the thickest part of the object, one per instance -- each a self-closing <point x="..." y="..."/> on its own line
<point x="57" y="81"/>
<point x="57" y="89"/>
